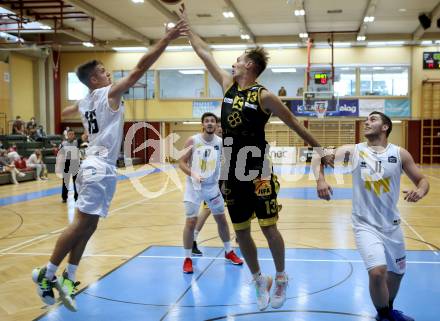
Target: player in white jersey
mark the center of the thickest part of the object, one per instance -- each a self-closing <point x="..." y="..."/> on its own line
<point x="376" y="169"/>
<point x="102" y="113"/>
<point x="202" y="165"/>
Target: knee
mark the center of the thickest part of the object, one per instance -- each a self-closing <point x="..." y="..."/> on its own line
<point x="378" y="274"/>
<point x="243" y="235"/>
<point x="270" y="232"/>
<point x="191" y="223"/>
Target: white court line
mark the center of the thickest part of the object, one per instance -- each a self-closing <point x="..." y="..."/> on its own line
<point x="419" y="236"/>
<point x="430" y="176"/>
<point x="212" y="258"/>
<point x="47" y="236"/>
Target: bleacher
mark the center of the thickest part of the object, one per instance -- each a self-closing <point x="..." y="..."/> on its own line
<point x="48" y="146"/>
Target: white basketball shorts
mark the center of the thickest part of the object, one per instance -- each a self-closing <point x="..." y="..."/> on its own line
<point x="96" y="185"/>
<point x="210" y="193"/>
<point x="379" y="248"/>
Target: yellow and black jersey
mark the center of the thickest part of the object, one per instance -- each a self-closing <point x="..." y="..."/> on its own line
<point x="243" y="119"/>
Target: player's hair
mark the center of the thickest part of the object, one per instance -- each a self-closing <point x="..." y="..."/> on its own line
<point x="85" y="71"/>
<point x="259" y="57"/>
<point x="385" y="120"/>
<point x="208" y="114"/>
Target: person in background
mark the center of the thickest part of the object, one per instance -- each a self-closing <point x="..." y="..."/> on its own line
<point x="31" y="128"/>
<point x="69" y="151"/>
<point x="7" y="166"/>
<point x="282" y="91"/>
<point x="18" y="127"/>
<point x="36" y="161"/>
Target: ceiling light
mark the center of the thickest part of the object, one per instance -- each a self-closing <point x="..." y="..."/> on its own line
<point x="299" y="12"/>
<point x="170" y="25"/>
<point x="402" y="10"/>
<point x="378" y="68"/>
<point x="45" y="27"/>
<point x="137" y="1"/>
<point x="283" y="70"/>
<point x="178" y="48"/>
<point x="229" y="47"/>
<point x="341" y="44"/>
<point x="377" y="44"/>
<point x="245" y="37"/>
<point x="130" y="49"/>
<point x="192" y="71"/>
<point x="88" y="44"/>
<point x="228" y="14"/>
<point x="368" y="19"/>
<point x="279" y="45"/>
<point x="426" y="43"/>
<point x="361" y="38"/>
<point x="303" y="35"/>
<point x="437" y="42"/>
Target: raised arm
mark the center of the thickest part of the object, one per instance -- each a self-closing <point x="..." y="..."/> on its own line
<point x="273" y="104"/>
<point x="70" y="110"/>
<point x="415" y="175"/>
<point x="119" y="88"/>
<point x="204" y="52"/>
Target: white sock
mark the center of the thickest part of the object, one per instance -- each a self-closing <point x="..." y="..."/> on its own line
<point x="71" y="271"/>
<point x="196" y="233"/>
<point x="257" y="275"/>
<point x="228" y="247"/>
<point x="281" y="275"/>
<point x="51" y="269"/>
<point x="188" y="252"/>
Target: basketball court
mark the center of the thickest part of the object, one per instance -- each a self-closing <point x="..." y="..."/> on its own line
<point x="336" y="65"/>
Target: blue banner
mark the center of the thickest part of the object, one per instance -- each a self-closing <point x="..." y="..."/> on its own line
<point x="201" y="107"/>
<point x="346" y="108"/>
<point x="397" y="108"/>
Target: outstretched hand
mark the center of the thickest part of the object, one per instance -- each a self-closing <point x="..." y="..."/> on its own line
<point x="179" y="30"/>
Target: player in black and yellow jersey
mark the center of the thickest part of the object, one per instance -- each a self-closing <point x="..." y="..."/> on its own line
<point x="250" y="188"/>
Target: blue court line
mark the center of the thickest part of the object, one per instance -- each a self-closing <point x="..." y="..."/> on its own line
<point x="297" y="193"/>
<point x="57" y="190"/>
<point x="309" y="193"/>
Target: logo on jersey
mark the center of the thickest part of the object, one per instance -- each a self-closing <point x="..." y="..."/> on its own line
<point x="262" y="188"/>
<point x="378" y="187"/>
<point x="234" y="119"/>
<point x="392" y="159"/>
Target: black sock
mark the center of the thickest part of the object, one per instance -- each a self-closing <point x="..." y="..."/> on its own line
<point x="390" y="303"/>
<point x="384" y="312"/>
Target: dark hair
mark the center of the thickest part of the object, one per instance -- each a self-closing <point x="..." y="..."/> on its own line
<point x="85" y="71"/>
<point x="209" y="115"/>
<point x="70" y="130"/>
<point x="385" y="120"/>
<point x="259" y="57"/>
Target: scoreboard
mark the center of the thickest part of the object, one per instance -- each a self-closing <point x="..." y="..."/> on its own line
<point x="431" y="60"/>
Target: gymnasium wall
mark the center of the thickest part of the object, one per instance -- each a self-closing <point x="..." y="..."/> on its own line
<point x="182" y="109"/>
<point x="22" y="86"/>
<point x="4" y="95"/>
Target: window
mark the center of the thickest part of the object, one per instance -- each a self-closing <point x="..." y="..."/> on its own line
<point x="345" y="81"/>
<point x="384" y="81"/>
<point x="214" y="89"/>
<point x="182" y="83"/>
<point x="76" y="90"/>
<point x="143" y="89"/>
<point x="291" y="78"/>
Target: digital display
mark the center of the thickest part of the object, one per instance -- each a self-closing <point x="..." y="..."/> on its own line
<point x="321" y="78"/>
<point x="431" y="60"/>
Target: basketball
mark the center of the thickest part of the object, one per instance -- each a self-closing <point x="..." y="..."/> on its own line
<point x="170" y="1"/>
